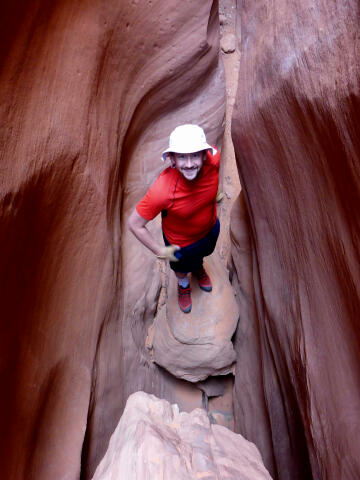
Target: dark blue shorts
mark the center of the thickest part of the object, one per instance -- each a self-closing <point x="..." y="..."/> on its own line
<point x="191" y="257"/>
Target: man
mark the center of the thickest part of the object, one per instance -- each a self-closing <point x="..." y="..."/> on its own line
<point x="185" y="194"/>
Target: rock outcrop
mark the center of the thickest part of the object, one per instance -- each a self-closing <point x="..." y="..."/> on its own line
<point x="296" y="244"/>
<point x="198" y="344"/>
<point x="154" y="440"/>
<point x="90" y="91"/>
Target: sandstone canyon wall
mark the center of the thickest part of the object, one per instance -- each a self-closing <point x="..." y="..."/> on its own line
<point x="296" y="237"/>
<point x="90" y="91"/>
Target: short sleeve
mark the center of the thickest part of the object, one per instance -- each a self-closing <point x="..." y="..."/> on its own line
<point x="213" y="159"/>
<point x="153" y="201"/>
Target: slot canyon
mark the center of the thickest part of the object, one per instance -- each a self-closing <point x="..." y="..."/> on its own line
<point x="103" y="377"/>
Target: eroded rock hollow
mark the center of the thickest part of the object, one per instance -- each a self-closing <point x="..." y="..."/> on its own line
<point x="89" y="92"/>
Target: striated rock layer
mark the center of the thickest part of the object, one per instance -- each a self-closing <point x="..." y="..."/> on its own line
<point x="154" y="440"/>
<point x="89" y="92"/>
<point x="195" y="345"/>
<point x="296" y="244"/>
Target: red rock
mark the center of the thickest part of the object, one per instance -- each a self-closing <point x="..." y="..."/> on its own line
<point x="295" y="131"/>
<point x="198" y="344"/>
<point x="89" y="94"/>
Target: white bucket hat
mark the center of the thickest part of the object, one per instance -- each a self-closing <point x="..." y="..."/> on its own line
<point x="187" y="139"/>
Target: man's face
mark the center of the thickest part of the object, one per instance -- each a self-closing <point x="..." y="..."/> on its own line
<point x="189" y="164"/>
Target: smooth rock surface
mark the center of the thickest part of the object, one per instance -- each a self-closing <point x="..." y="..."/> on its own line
<point x="89" y="92"/>
<point x="296" y="244"/>
<point x="195" y="345"/>
<point x="154" y="440"/>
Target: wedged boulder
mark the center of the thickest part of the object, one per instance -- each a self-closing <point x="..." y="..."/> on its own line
<point x="154" y="440"/>
<point x="198" y="344"/>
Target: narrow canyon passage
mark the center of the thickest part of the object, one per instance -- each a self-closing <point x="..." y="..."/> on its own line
<point x="134" y="356"/>
<point x="218" y="405"/>
<point x="89" y="92"/>
<point x="215" y="395"/>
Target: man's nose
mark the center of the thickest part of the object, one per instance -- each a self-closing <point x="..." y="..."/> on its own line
<point x="188" y="161"/>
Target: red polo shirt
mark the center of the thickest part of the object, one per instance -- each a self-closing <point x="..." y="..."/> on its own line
<point x="190" y="205"/>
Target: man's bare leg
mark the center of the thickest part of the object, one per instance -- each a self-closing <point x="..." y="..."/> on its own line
<point x="182" y="278"/>
<point x="180" y="274"/>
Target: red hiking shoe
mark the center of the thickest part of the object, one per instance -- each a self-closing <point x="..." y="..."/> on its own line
<point x="184" y="298"/>
<point x="203" y="279"/>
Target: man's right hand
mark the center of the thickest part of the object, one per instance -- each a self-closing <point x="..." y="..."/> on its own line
<point x="167" y="253"/>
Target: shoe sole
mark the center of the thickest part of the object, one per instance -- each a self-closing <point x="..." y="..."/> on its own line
<point x="188" y="310"/>
<point x="206" y="289"/>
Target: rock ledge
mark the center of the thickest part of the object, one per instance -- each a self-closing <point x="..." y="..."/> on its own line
<point x="196" y="345"/>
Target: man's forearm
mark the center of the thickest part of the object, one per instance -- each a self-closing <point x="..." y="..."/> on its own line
<point x="145" y="237"/>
